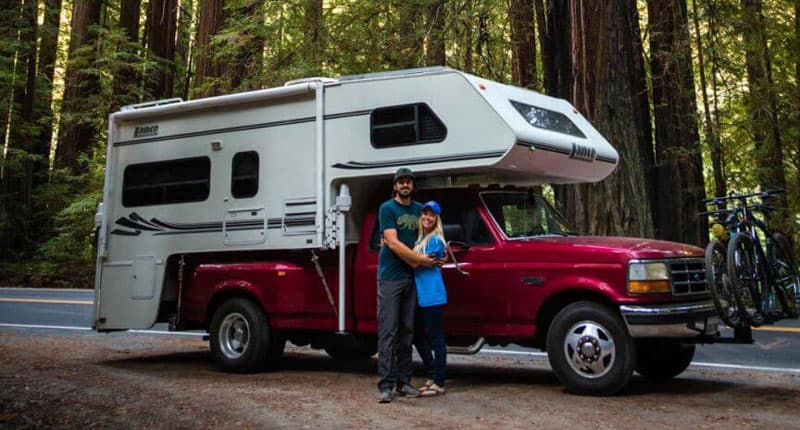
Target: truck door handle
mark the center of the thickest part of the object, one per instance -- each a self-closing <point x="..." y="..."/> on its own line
<point x="534" y="281"/>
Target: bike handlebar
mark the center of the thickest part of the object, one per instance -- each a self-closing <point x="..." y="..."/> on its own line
<point x="722" y="199"/>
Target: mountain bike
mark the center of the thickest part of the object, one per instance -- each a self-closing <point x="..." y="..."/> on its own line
<point x="765" y="272"/>
<point x="723" y="292"/>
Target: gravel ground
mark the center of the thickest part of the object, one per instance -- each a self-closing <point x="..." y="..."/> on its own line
<point x="87" y="380"/>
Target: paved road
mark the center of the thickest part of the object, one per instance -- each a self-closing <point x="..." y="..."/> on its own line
<point x="776" y="348"/>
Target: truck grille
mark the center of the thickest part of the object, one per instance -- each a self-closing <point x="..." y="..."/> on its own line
<point x="687" y="276"/>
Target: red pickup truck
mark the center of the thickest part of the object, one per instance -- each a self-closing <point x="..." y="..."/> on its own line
<point x="601" y="307"/>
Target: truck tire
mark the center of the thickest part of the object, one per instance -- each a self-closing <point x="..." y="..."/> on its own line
<point x="241" y="338"/>
<point x="353" y="349"/>
<point x="590" y="350"/>
<point x="662" y="359"/>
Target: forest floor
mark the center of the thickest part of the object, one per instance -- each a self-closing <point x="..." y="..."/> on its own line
<point x="88" y="380"/>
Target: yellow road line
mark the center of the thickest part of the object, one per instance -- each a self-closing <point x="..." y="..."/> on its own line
<point x="51" y="301"/>
<point x="781" y="329"/>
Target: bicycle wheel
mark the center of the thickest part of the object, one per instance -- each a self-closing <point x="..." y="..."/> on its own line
<point x="719" y="284"/>
<point x="787" y="280"/>
<point x="747" y="278"/>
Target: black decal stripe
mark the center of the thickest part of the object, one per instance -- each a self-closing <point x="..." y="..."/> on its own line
<point x="135" y="217"/>
<point x="136" y="226"/>
<point x="551" y="148"/>
<point x="186" y="226"/>
<point x="241" y="128"/>
<point x="358" y="165"/>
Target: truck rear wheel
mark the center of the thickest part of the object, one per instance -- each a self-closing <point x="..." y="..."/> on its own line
<point x="662" y="359"/>
<point x="241" y="338"/>
<point x="590" y="350"/>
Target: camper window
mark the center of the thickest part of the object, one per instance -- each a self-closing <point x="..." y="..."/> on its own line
<point x="244" y="171"/>
<point x="547" y="119"/>
<point x="165" y="182"/>
<point x="413" y="124"/>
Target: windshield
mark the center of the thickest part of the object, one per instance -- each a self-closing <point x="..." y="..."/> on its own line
<point x="522" y="214"/>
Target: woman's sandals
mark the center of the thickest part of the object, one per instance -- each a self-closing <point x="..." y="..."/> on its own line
<point x="430" y="389"/>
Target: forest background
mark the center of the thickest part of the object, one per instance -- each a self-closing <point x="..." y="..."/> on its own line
<point x="700" y="97"/>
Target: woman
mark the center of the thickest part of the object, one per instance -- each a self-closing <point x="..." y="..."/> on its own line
<point x="431" y="298"/>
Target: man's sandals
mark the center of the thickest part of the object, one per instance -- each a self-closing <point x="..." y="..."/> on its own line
<point x="430" y="389"/>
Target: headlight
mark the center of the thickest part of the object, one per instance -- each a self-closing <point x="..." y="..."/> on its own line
<point x="648" y="278"/>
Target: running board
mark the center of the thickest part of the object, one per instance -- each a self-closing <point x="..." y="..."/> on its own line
<point x="468" y="350"/>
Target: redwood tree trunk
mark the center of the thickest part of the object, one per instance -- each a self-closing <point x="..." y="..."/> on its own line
<point x="312" y="40"/>
<point x="212" y="18"/>
<point x="523" y="43"/>
<point x="125" y="88"/>
<point x="161" y="31"/>
<point x="679" y="176"/>
<point x="76" y="130"/>
<point x="247" y="64"/>
<point x="46" y="69"/>
<point x="606" y="63"/>
<point x="435" y="51"/>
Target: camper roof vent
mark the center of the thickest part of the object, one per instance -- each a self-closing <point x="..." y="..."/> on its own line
<point x="151" y="104"/>
<point x="322" y="79"/>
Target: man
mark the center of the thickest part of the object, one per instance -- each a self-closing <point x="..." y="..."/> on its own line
<point x="397" y="295"/>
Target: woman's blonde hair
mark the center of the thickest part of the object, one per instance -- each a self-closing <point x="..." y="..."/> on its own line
<point x="423" y="239"/>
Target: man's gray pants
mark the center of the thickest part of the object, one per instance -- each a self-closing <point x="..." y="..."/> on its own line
<point x="396" y="303"/>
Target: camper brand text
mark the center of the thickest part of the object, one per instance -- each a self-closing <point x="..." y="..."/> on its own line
<point x="146" y="130"/>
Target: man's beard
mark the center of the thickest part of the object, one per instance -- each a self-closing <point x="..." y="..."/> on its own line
<point x="404" y="192"/>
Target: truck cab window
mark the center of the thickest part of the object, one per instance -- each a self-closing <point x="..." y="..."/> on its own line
<point x="244" y="171"/>
<point x="462" y="213"/>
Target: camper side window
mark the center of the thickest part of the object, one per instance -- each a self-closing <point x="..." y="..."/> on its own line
<point x="244" y="171"/>
<point x="166" y="182"/>
<point x="413" y="124"/>
<point x="547" y="119"/>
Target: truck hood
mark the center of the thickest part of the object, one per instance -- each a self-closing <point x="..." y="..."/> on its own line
<point x="627" y="247"/>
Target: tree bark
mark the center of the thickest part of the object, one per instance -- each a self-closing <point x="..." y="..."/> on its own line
<point x="248" y="62"/>
<point x="523" y="43"/>
<point x="312" y="37"/>
<point x="161" y="32"/>
<point x="48" y="49"/>
<point x="435" y="47"/>
<point x="679" y="176"/>
<point x="125" y="87"/>
<point x="208" y="71"/>
<point x="606" y="64"/>
<point x="708" y="127"/>
<point x="76" y="130"/>
<point x="184" y="47"/>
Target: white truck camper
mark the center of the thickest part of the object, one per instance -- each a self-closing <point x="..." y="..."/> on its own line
<point x="283" y="169"/>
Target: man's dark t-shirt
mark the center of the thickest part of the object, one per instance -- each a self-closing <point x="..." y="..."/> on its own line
<point x="393" y="215"/>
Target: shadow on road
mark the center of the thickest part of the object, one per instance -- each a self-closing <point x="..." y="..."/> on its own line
<point x="197" y="365"/>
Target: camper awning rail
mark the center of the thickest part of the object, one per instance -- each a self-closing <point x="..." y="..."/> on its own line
<point x="215" y="102"/>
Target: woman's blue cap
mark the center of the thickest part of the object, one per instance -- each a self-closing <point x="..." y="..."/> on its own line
<point x="433" y="206"/>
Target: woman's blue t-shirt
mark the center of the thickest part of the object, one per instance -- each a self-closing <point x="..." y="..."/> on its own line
<point x="429" y="282"/>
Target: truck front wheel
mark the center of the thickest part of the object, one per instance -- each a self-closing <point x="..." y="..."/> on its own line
<point x="662" y="359"/>
<point x="241" y="338"/>
<point x="590" y="350"/>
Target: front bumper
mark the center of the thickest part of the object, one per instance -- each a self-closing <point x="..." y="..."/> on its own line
<point x="684" y="320"/>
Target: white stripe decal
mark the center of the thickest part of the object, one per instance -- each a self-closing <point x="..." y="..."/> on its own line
<point x="694" y="363"/>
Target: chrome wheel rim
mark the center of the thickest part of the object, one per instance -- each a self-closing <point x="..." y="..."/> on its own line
<point x="234" y="335"/>
<point x="590" y="349"/>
